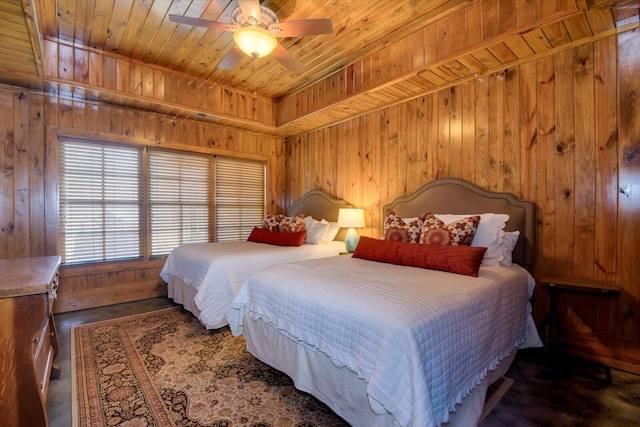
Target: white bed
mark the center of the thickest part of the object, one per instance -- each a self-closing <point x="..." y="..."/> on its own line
<point x="205" y="277"/>
<point x="384" y="344"/>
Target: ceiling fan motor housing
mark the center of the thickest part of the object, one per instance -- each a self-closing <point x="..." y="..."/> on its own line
<point x="267" y="17"/>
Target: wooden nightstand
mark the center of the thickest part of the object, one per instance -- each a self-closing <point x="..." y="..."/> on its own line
<point x="558" y="286"/>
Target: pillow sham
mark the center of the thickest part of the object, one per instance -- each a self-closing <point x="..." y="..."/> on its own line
<point x="290" y="224"/>
<point x="262" y="235"/>
<point x="489" y="233"/>
<point x="315" y="230"/>
<point x="456" y="233"/>
<point x="271" y="222"/>
<point x="463" y="260"/>
<point x="393" y="223"/>
<point x="331" y="233"/>
<point x="395" y="234"/>
<point x="509" y="242"/>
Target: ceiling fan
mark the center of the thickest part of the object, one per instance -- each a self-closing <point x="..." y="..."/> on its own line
<point x="255" y="29"/>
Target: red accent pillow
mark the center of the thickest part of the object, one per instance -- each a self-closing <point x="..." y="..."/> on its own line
<point x="455" y="259"/>
<point x="262" y="235"/>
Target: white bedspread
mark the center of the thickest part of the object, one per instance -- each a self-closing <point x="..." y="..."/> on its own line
<point x="421" y="339"/>
<point x="218" y="270"/>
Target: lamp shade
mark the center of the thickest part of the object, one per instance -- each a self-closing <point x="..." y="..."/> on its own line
<point x="351" y="218"/>
<point x="255" y="41"/>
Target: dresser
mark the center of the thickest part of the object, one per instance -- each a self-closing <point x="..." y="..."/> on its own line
<point x="28" y="340"/>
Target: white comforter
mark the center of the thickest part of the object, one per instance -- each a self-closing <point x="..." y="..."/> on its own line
<point x="218" y="270"/>
<point x="421" y="339"/>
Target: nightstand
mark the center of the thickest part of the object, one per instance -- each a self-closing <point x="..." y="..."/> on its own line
<point x="558" y="286"/>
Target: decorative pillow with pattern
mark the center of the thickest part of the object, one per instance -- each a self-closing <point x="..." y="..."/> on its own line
<point x="395" y="234"/>
<point x="396" y="229"/>
<point x="291" y="224"/>
<point x="271" y="222"/>
<point x="458" y="233"/>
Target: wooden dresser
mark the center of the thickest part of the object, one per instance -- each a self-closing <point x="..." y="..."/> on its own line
<point x="28" y="340"/>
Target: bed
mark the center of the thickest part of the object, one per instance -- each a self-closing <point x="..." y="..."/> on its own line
<point x="389" y="345"/>
<point x="205" y="277"/>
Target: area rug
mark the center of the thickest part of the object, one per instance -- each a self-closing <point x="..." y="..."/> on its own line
<point x="164" y="368"/>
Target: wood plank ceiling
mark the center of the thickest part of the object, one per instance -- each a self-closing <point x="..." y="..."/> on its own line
<point x="381" y="52"/>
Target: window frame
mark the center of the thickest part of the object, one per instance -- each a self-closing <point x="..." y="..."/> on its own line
<point x="61" y="134"/>
<point x="104" y="202"/>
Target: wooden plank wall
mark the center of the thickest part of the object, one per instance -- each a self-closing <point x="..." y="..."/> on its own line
<point x="29" y="124"/>
<point x="113" y="75"/>
<point x="555" y="131"/>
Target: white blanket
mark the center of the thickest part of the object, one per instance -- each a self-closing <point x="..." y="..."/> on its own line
<point x="421" y="339"/>
<point x="218" y="270"/>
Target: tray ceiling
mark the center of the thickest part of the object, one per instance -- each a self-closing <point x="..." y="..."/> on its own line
<point x="139" y="31"/>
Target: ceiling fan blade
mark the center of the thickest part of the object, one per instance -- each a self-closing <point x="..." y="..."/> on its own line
<point x="231" y="58"/>
<point x="287" y="59"/>
<point x="197" y="22"/>
<point x="250" y="8"/>
<point x="305" y="27"/>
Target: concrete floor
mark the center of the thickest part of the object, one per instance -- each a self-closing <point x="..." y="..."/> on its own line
<point x="546" y="391"/>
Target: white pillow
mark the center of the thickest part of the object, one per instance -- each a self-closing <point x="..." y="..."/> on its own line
<point x="331" y="232"/>
<point x="509" y="242"/>
<point x="489" y="234"/>
<point x="320" y="232"/>
<point x="315" y="230"/>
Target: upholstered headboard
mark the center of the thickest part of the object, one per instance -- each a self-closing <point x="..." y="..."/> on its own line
<point x="455" y="196"/>
<point x="319" y="205"/>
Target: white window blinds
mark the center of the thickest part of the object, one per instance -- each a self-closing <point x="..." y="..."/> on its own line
<point x="100" y="201"/>
<point x="180" y="201"/>
<point x="240" y="197"/>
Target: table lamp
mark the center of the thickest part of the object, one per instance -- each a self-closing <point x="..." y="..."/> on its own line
<point x="351" y="219"/>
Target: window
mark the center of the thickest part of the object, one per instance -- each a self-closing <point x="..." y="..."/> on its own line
<point x="100" y="203"/>
<point x="125" y="202"/>
<point x="240" y="197"/>
<point x="180" y="199"/>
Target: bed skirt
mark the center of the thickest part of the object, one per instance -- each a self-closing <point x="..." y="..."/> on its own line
<point x="340" y="388"/>
<point x="182" y="293"/>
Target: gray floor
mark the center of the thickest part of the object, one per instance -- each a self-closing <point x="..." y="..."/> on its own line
<point x="546" y="391"/>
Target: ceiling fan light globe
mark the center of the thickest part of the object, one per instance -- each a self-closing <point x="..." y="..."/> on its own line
<point x="255" y="41"/>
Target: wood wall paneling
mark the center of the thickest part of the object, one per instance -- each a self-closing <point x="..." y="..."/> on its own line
<point x="537" y="98"/>
<point x="552" y="131"/>
<point x="30" y="125"/>
<point x="606" y="160"/>
<point x="628" y="271"/>
<point x="112" y="75"/>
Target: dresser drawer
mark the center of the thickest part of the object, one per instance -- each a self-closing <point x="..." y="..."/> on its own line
<point x="43" y="357"/>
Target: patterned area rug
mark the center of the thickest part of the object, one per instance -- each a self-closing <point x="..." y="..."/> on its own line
<point x="165" y="369"/>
